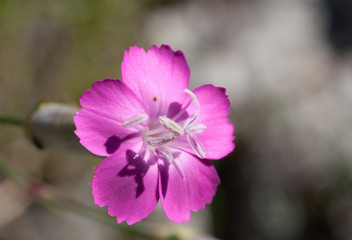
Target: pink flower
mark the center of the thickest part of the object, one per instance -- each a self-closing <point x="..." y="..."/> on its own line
<point x="157" y="136"/>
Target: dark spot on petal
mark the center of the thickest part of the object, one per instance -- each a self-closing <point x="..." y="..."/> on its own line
<point x="174" y="109"/>
<point x="164" y="177"/>
<point x="113" y="143"/>
<point x="136" y="168"/>
<point x="155" y="98"/>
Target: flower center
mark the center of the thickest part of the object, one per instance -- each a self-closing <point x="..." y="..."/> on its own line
<point x="165" y="136"/>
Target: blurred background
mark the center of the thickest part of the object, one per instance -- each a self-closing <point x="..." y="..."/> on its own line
<point x="287" y="68"/>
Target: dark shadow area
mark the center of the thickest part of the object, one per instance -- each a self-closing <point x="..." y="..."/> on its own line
<point x="138" y="168"/>
<point x="339" y="24"/>
<point x="114" y="142"/>
<point x="231" y="204"/>
<point x="174" y="109"/>
<point x="164" y="173"/>
<point x="164" y="177"/>
<point x="205" y="162"/>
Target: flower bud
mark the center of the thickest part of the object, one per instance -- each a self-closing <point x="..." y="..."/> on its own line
<point x="50" y="126"/>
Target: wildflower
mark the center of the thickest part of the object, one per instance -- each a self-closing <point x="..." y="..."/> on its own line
<point x="157" y="136"/>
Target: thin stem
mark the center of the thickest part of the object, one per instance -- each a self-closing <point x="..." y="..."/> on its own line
<point x="11" y="119"/>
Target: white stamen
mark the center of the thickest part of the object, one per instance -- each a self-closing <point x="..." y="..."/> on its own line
<point x="141" y="151"/>
<point x="193" y="96"/>
<point x="157" y="130"/>
<point x="164" y="135"/>
<point x="177" y="144"/>
<point x="135" y="120"/>
<point x="163" y="153"/>
<point x="191" y="120"/>
<point x="171" y="125"/>
<point x="160" y="140"/>
<point x="196" y="129"/>
<point x="182" y="111"/>
<point x="196" y="145"/>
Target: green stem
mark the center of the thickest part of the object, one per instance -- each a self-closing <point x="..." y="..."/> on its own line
<point x="11" y="119"/>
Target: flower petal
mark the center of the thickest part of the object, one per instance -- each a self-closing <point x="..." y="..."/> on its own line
<point x="127" y="186"/>
<point x="105" y="107"/>
<point x="217" y="139"/>
<point x="158" y="76"/>
<point x="191" y="191"/>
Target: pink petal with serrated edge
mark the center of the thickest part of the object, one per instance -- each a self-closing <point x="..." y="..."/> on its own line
<point x="179" y="196"/>
<point x="158" y="76"/>
<point x="127" y="186"/>
<point x="113" y="117"/>
<point x="104" y="108"/>
<point x="217" y="139"/>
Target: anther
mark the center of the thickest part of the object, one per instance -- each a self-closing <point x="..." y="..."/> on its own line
<point x="135" y="120"/>
<point x="167" y="155"/>
<point x="160" y="140"/>
<point x="171" y="125"/>
<point x="196" y="145"/>
<point x="191" y="120"/>
<point x="193" y="96"/>
<point x="141" y="151"/>
<point x="196" y="129"/>
<point x="160" y="152"/>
